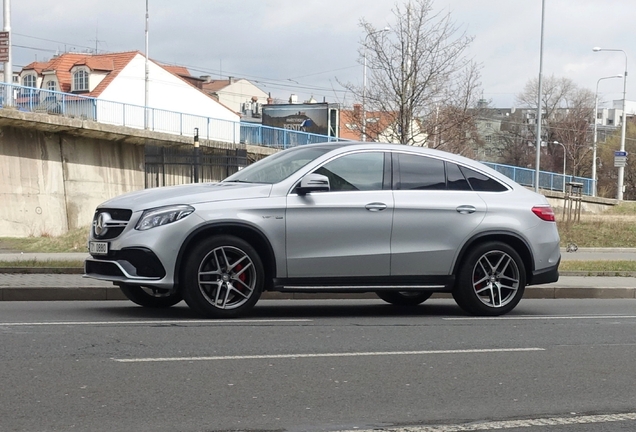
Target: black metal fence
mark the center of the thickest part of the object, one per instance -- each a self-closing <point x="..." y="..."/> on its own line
<point x="168" y="166"/>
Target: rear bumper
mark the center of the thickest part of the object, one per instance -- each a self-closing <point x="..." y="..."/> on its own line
<point x="546" y="275"/>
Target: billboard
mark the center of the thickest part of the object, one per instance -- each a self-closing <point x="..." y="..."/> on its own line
<point x="315" y="118"/>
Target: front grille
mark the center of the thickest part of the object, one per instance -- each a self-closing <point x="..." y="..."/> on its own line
<point x="112" y="223"/>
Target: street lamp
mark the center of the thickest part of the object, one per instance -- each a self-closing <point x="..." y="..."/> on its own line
<point x="621" y="170"/>
<point x="564" y="159"/>
<point x="594" y="180"/>
<point x="364" y="82"/>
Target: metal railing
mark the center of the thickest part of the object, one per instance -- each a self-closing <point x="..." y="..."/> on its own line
<point x="547" y="180"/>
<point x="171" y="122"/>
<point x="157" y="120"/>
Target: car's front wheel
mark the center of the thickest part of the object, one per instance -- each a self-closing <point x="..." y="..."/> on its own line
<point x="223" y="277"/>
<point x="491" y="280"/>
<point x="404" y="298"/>
<point x="150" y="297"/>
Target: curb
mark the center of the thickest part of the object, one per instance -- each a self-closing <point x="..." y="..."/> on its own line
<point x="80" y="270"/>
<point x="41" y="293"/>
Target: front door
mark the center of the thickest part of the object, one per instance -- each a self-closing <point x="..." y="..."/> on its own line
<point x="346" y="231"/>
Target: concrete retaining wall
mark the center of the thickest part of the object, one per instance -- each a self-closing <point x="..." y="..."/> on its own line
<point x="54" y="170"/>
<point x="52" y="182"/>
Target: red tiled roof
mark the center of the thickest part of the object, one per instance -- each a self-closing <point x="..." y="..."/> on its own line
<point x="377" y="122"/>
<point x="215" y="85"/>
<point x="62" y="65"/>
<point x="177" y="70"/>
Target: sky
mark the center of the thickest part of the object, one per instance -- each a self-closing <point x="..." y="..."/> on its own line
<point x="309" y="48"/>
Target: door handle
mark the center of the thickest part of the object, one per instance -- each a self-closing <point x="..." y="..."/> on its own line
<point x="375" y="206"/>
<point x="466" y="209"/>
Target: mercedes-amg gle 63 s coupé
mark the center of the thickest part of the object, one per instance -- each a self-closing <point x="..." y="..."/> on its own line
<point x="401" y="221"/>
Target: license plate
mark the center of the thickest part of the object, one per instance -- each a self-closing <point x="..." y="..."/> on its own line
<point x="98" y="248"/>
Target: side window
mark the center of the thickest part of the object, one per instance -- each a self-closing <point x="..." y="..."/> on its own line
<point x="358" y="171"/>
<point x="482" y="183"/>
<point x="455" y="179"/>
<point x="420" y="172"/>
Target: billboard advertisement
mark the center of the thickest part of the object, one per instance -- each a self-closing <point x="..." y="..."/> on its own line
<point x="315" y="118"/>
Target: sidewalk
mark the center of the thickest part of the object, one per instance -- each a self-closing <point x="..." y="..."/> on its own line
<point x="68" y="283"/>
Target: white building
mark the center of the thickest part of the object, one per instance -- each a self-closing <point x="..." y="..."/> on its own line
<point x="111" y="80"/>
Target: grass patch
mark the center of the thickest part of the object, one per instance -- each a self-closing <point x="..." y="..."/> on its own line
<point x="73" y="241"/>
<point x="598" y="266"/>
<point x="42" y="264"/>
<point x="599" y="232"/>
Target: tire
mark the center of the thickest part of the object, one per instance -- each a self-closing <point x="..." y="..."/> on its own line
<point x="150" y="297"/>
<point x="223" y="277"/>
<point x="404" y="298"/>
<point x="491" y="280"/>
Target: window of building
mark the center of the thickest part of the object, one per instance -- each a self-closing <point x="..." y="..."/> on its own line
<point x="80" y="80"/>
<point x="29" y="81"/>
<point x="51" y="85"/>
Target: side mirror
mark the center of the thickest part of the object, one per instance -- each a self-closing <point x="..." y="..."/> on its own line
<point x="313" y="183"/>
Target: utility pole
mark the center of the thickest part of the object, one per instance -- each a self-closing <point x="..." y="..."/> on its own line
<point x="8" y="66"/>
<point x="146" y="77"/>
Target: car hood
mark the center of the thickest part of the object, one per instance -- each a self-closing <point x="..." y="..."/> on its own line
<point x="187" y="194"/>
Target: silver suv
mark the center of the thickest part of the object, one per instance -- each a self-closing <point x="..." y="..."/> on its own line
<point x="403" y="222"/>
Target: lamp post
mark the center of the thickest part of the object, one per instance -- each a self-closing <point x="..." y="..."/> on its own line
<point x="564" y="159"/>
<point x="621" y="170"/>
<point x="364" y="83"/>
<point x="594" y="180"/>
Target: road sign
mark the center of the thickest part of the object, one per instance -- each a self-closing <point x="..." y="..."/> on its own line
<point x="4" y="47"/>
<point x="620" y="159"/>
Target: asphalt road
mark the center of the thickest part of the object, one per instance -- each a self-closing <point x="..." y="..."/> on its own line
<point x="558" y="365"/>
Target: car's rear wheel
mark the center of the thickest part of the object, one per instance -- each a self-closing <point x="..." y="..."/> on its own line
<point x="150" y="297"/>
<point x="404" y="298"/>
<point x="223" y="277"/>
<point x="491" y="280"/>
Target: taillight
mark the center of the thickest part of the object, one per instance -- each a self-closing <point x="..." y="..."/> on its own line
<point x="544" y="212"/>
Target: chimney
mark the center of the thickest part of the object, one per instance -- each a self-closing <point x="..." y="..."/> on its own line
<point x="206" y="78"/>
<point x="357" y="110"/>
<point x="269" y="99"/>
<point x="231" y="79"/>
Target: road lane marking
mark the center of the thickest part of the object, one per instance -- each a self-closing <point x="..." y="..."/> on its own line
<point x="71" y="323"/>
<point x="537" y="317"/>
<point x="510" y="424"/>
<point x="322" y="355"/>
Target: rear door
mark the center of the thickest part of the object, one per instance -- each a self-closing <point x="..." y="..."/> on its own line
<point x="435" y="213"/>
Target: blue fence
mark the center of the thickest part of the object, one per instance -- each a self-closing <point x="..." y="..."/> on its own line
<point x="547" y="180"/>
<point x="157" y="120"/>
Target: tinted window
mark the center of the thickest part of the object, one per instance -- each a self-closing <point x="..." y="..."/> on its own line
<point x="420" y="172"/>
<point x="455" y="179"/>
<point x="358" y="171"/>
<point x="482" y="183"/>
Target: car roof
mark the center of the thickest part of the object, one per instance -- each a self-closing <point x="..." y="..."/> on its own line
<point x="359" y="145"/>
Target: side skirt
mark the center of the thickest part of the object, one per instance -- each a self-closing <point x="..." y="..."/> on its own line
<point x="365" y="284"/>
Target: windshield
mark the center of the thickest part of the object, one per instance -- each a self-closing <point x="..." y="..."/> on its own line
<point x="278" y="166"/>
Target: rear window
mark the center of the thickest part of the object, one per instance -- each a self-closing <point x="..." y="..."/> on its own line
<point x="480" y="182"/>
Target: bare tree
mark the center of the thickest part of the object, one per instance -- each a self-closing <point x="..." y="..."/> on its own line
<point x="567" y="114"/>
<point x="418" y="76"/>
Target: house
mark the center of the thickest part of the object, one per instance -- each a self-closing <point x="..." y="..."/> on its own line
<point x="380" y="127"/>
<point x="119" y="78"/>
<point x="240" y="95"/>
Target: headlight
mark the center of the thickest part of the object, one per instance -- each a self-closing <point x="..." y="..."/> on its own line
<point x="162" y="216"/>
